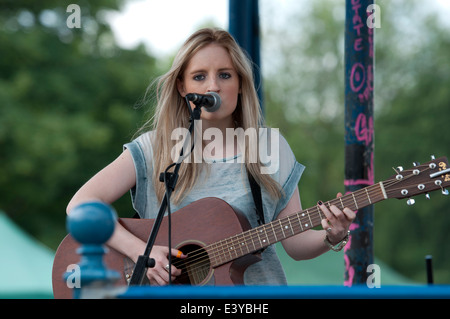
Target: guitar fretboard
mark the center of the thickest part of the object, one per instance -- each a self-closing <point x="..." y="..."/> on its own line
<point x="265" y="235"/>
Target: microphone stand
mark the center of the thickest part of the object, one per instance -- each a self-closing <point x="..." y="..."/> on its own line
<point x="144" y="261"/>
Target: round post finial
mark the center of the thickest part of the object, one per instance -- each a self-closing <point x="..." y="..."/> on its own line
<point x="92" y="224"/>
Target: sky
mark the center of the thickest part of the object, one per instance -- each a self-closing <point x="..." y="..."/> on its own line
<point x="152" y="22"/>
<point x="163" y="25"/>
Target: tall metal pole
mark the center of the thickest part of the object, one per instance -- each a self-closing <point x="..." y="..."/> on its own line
<point x="244" y="27"/>
<point x="359" y="133"/>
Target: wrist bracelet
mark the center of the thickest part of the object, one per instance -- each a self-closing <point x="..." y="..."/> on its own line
<point x="338" y="246"/>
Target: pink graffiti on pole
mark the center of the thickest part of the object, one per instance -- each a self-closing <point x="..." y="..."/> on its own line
<point x="364" y="129"/>
<point x="357" y="77"/>
<point x="350" y="270"/>
<point x="367" y="92"/>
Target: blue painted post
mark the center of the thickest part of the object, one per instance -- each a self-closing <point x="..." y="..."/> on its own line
<point x="359" y="133"/>
<point x="92" y="224"/>
<point x="244" y="27"/>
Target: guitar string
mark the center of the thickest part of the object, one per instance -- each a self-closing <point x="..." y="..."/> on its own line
<point x="280" y="222"/>
<point x="427" y="168"/>
<point x="306" y="217"/>
<point x="387" y="184"/>
<point x="269" y="234"/>
<point x="395" y="190"/>
<point x="281" y="233"/>
<point x="388" y="189"/>
<point x="278" y="233"/>
<point x="357" y="195"/>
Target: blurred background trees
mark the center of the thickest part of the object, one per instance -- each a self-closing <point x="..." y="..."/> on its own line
<point x="69" y="99"/>
<point x="304" y="89"/>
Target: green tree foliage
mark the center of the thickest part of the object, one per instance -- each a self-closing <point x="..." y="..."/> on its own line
<point x="413" y="99"/>
<point x="69" y="100"/>
<point x="304" y="90"/>
<point x="304" y="93"/>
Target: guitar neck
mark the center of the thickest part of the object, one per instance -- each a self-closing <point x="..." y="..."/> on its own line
<point x="265" y="235"/>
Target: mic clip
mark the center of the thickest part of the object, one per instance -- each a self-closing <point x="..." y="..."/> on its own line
<point x="170" y="179"/>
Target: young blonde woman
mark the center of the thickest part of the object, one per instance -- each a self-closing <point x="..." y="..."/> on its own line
<point x="210" y="61"/>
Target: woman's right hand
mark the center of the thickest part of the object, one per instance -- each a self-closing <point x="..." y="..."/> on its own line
<point x="159" y="274"/>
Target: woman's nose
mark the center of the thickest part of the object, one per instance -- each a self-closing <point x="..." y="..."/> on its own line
<point x="213" y="85"/>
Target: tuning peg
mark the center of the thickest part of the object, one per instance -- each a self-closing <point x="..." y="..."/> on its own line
<point x="427" y="196"/>
<point x="433" y="157"/>
<point x="445" y="191"/>
<point x="416" y="164"/>
<point x="410" y="201"/>
<point x="399" y="169"/>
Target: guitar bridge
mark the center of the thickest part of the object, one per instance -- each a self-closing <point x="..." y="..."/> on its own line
<point x="128" y="267"/>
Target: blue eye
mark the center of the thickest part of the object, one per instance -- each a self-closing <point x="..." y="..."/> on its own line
<point x="199" y="77"/>
<point x="225" y="75"/>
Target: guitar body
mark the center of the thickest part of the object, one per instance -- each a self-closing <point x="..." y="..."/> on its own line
<point x="194" y="227"/>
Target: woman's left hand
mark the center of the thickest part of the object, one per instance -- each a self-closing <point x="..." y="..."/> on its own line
<point x="337" y="222"/>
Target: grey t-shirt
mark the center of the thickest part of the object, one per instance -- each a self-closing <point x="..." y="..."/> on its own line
<point x="228" y="181"/>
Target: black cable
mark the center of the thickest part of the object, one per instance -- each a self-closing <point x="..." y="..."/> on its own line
<point x="170" y="227"/>
<point x="170" y="186"/>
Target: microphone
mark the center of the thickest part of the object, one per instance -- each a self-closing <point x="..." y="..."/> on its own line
<point x="210" y="101"/>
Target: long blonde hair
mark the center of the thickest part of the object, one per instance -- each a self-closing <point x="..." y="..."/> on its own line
<point x="169" y="101"/>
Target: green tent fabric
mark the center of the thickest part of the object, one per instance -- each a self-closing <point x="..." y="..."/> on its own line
<point x="26" y="265"/>
<point x="329" y="269"/>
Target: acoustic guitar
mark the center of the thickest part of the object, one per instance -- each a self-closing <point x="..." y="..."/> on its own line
<point x="219" y="241"/>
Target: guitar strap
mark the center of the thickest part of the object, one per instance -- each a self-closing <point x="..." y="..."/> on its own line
<point x="257" y="198"/>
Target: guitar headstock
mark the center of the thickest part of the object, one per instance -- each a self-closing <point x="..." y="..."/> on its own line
<point x="420" y="179"/>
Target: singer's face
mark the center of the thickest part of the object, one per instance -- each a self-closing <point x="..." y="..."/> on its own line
<point x="211" y="70"/>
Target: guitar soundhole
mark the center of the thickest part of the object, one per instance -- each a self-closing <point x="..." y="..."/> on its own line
<point x="196" y="268"/>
